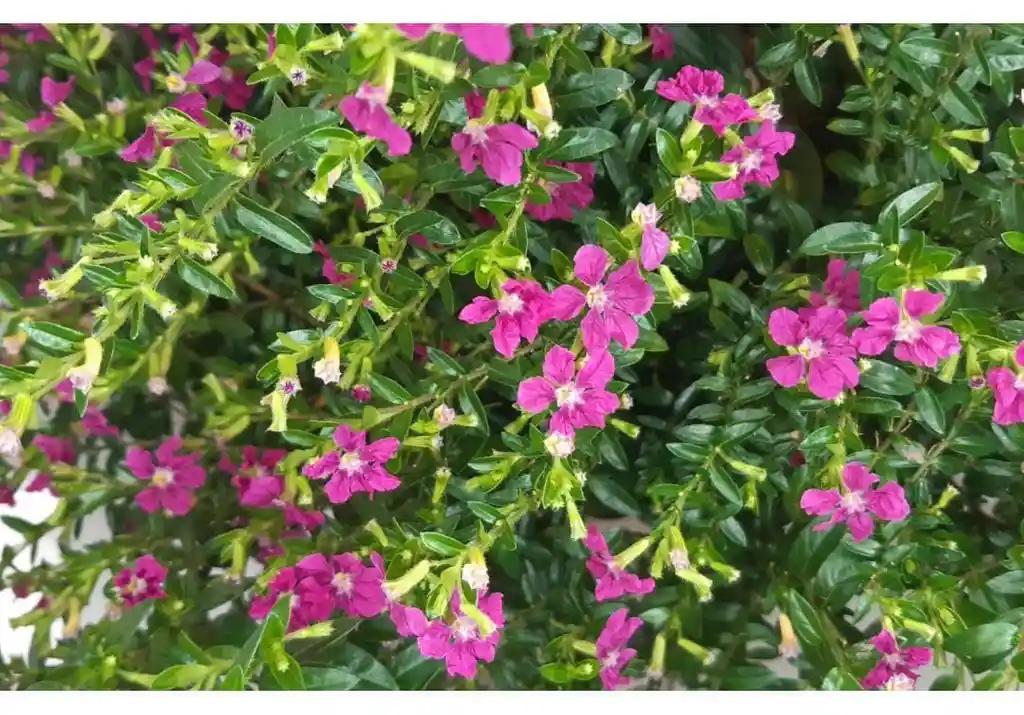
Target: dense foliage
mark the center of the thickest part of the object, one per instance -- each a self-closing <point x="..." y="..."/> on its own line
<point x="475" y="356"/>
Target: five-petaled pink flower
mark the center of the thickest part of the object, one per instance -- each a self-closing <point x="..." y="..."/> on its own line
<point x="142" y="149"/>
<point x="358" y="467"/>
<point x="857" y="502"/>
<point x="566" y="198"/>
<point x="488" y="42"/>
<point x="820" y="351"/>
<point x="194" y="105"/>
<point x="613" y="303"/>
<point x="1008" y="390"/>
<point x="344" y="583"/>
<point x="172" y="477"/>
<point x="497" y="147"/>
<point x="841" y="289"/>
<point x="662" y="43"/>
<point x="53" y="93"/>
<point x="41" y="122"/>
<point x="301" y="612"/>
<point x="917" y="343"/>
<point x="142" y="582"/>
<point x="612" y="653"/>
<point x="460" y="644"/>
<point x="367" y="111"/>
<point x="613" y="581"/>
<point x="654" y="242"/>
<point x="701" y="89"/>
<point x="897" y="667"/>
<point x="580" y="399"/>
<point x="96" y="424"/>
<point x="520" y="311"/>
<point x="755" y="161"/>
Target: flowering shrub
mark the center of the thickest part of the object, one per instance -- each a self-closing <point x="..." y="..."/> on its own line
<point x="485" y="356"/>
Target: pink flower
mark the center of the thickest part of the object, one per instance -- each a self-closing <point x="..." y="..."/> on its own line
<point x="344" y="583"/>
<point x="841" y="290"/>
<point x="142" y="582"/>
<point x="152" y="222"/>
<point x="662" y="43"/>
<point x="96" y="424"/>
<point x="487" y="42"/>
<point x="358" y="467"/>
<point x="475" y="104"/>
<point x="271" y="45"/>
<point x="497" y="147"/>
<point x="1008" y="390"/>
<point x="330" y="268"/>
<point x="30" y="164"/>
<point x="34" y="32"/>
<point x="231" y="84"/>
<point x="202" y="72"/>
<point x="4" y="75"/>
<point x="40" y="123"/>
<point x="612" y="581"/>
<point x="612" y="653"/>
<point x="461" y="644"/>
<point x="53" y="93"/>
<point x="755" y="161"/>
<point x="5" y="149"/>
<point x="42" y="482"/>
<point x="581" y="400"/>
<point x="408" y="620"/>
<point x="520" y="312"/>
<point x="368" y="113"/>
<point x="193" y="104"/>
<point x="613" y="304"/>
<point x="173" y="477"/>
<point x="565" y="198"/>
<point x="142" y="149"/>
<point x="361" y="393"/>
<point x="857" y="502"/>
<point x="654" y="243"/>
<point x="6" y="495"/>
<point x="917" y="343"/>
<point x="145" y="69"/>
<point x="692" y="85"/>
<point x="302" y="612"/>
<point x="487" y="220"/>
<point x="897" y="668"/>
<point x="57" y="450"/>
<point x="185" y="36"/>
<point x="819" y="350"/>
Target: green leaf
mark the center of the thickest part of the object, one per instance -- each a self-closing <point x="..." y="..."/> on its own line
<point x="778" y="56"/>
<point x="805" y="621"/>
<point x="886" y="379"/>
<point x="807" y="80"/>
<point x="626" y="34"/>
<point x="839" y="679"/>
<point x="927" y="50"/>
<point x="365" y="667"/>
<point x="53" y="337"/>
<point x="435" y="67"/>
<point x="1011" y="206"/>
<point x="330" y="293"/>
<point x="961" y="105"/>
<point x="470" y="403"/>
<point x="499" y="75"/>
<point x="669" y="153"/>
<point x="431" y="225"/>
<point x="290" y="676"/>
<point x="1010" y="583"/>
<point x="608" y="492"/>
<point x="1014" y="240"/>
<point x="911" y="204"/>
<point x="444" y="362"/>
<point x="485" y="512"/>
<point x="980" y="645"/>
<point x="201" y="279"/>
<point x="848" y="127"/>
<point x="582" y="143"/>
<point x="441" y="545"/>
<point x="583" y="90"/>
<point x="329" y="678"/>
<point x="272" y="226"/>
<point x="725" y="485"/>
<point x="234" y="679"/>
<point x="285" y="128"/>
<point x="178" y="677"/>
<point x="841" y="238"/>
<point x="389" y="389"/>
<point x="557" y="673"/>
<point x="759" y="253"/>
<point x="723" y="293"/>
<point x="929" y="411"/>
<point x="811" y="548"/>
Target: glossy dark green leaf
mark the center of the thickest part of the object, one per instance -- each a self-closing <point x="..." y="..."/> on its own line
<point x="911" y="204"/>
<point x="983" y="643"/>
<point x="53" y="337"/>
<point x="582" y="143"/>
<point x="962" y="106"/>
<point x="441" y="544"/>
<point x="841" y="238"/>
<point x="807" y="80"/>
<point x="929" y="411"/>
<point x="839" y="679"/>
<point x="272" y="226"/>
<point x="388" y="389"/>
<point x="287" y="127"/>
<point x="1009" y="583"/>
<point x="886" y="379"/>
<point x="431" y="225"/>
<point x="202" y="280"/>
<point x="608" y="492"/>
<point x="583" y="90"/>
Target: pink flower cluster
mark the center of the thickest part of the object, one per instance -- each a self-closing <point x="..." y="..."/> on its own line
<point x="612" y="580"/>
<point x="142" y="582"/>
<point x="260" y="487"/>
<point x="857" y="502"/>
<point x="702" y="88"/>
<point x="897" y="667"/>
<point x="172" y="477"/>
<point x="567" y="198"/>
<point x="355" y="467"/>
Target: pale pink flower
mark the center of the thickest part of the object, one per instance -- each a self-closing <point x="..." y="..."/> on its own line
<point x="612" y="653"/>
<point x="857" y="502"/>
<point x="917" y="343"/>
<point x="819" y="351"/>
<point x="654" y="242"/>
<point x="520" y="312"/>
<point x="580" y="399"/>
<point x="612" y="581"/>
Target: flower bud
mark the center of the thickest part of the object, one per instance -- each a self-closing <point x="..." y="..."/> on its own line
<point x="849" y="42"/>
<point x="328" y="368"/>
<point x="577" y="529"/>
<point x="560" y="445"/>
<point x="973" y="274"/>
<point x="789" y="646"/>
<point x="980" y="136"/>
<point x="688" y="189"/>
<point x="679" y="294"/>
<point x="705" y="656"/>
<point x="82" y="377"/>
<point x="633" y="552"/>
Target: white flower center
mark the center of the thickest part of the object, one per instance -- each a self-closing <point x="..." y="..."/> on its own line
<point x="343" y="583"/>
<point x="610" y="660"/>
<point x="853" y="502"/>
<point x="136" y="586"/>
<point x="510" y="304"/>
<point x="568" y="395"/>
<point x="811" y="349"/>
<point x="351" y="461"/>
<point x="751" y="161"/>
<point x="680" y="559"/>
<point x="162" y="477"/>
<point x="1018" y="383"/>
<point x="597" y="298"/>
<point x="477" y="132"/>
<point x="908" y="330"/>
<point x="560" y="445"/>
<point x="464" y="628"/>
<point x="899" y="682"/>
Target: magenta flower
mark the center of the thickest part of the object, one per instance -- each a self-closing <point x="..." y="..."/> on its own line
<point x="841" y="289"/>
<point x="30" y="164"/>
<point x="57" y="450"/>
<point x="857" y="502"/>
<point x="194" y="105"/>
<point x="142" y="582"/>
<point x="461" y="644"/>
<point x="173" y="477"/>
<point x="42" y="482"/>
<point x="344" y="583"/>
<point x="581" y="400"/>
<point x="53" y="93"/>
<point x="654" y="242"/>
<point x="520" y="311"/>
<point x="1008" y="390"/>
<point x="497" y="147"/>
<point x="145" y="68"/>
<point x="302" y="612"/>
<point x="662" y="43"/>
<point x="6" y="495"/>
<point x="361" y="393"/>
<point x="612" y="580"/>
<point x="41" y="122"/>
<point x="142" y="149"/>
<point x="152" y="222"/>
<point x="613" y="304"/>
<point x="489" y="43"/>
<point x="475" y="104"/>
<point x="702" y="88"/>
<point x="330" y="268"/>
<point x="409" y="621"/>
<point x="755" y="161"/>
<point x="897" y="667"/>
<point x="95" y="423"/>
<point x="358" y="467"/>
<point x="917" y="343"/>
<point x="367" y="112"/>
<point x="4" y="74"/>
<point x="720" y="114"/>
<point x="202" y="72"/>
<point x="186" y="36"/>
<point x="566" y="198"/>
<point x="612" y="653"/>
<point x="231" y="84"/>
<point x="34" y="32"/>
<point x="819" y="351"/>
